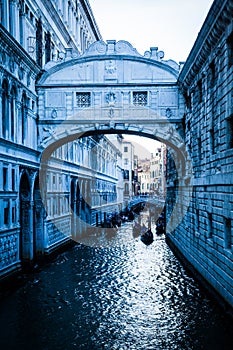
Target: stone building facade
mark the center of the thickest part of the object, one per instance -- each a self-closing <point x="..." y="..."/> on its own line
<point x="31" y="34"/>
<point x="50" y="117"/>
<point x="205" y="236"/>
<point x="82" y="188"/>
<point x="128" y="166"/>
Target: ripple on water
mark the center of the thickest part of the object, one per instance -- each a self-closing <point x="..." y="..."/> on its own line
<point x="126" y="296"/>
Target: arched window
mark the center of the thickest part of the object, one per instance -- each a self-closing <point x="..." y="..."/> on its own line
<point x="5" y="109"/>
<point x="12" y="112"/>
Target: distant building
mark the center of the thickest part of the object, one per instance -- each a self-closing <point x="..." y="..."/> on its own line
<point x="128" y="166"/>
<point x="156" y="172"/>
<point x="144" y="175"/>
<point x="151" y="173"/>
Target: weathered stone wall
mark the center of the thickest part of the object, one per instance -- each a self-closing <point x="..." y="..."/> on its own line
<point x="205" y="236"/>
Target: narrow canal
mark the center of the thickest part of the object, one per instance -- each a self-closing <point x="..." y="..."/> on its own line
<point x="129" y="296"/>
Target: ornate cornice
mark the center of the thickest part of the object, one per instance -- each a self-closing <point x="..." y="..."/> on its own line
<point x="17" y="50"/>
<point x="214" y="27"/>
<point x="88" y="11"/>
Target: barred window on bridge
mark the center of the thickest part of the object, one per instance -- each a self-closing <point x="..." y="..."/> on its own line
<point x="140" y="98"/>
<point x="83" y="99"/>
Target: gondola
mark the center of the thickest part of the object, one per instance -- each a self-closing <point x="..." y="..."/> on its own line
<point x="147" y="237"/>
<point x="160" y="229"/>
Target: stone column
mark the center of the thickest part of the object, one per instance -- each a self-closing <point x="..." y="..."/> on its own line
<point x="22" y="38"/>
<point x="18" y="122"/>
<point x="65" y="11"/>
<point x="5" y="20"/>
<point x="14" y="18"/>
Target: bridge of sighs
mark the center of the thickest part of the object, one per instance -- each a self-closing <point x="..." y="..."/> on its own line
<point x="110" y="89"/>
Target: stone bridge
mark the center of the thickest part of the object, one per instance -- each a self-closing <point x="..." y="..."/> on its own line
<point x="112" y="89"/>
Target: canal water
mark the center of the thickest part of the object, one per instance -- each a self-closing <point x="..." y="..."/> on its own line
<point x="129" y="296"/>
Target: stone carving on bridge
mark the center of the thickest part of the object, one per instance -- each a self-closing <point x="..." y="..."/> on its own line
<point x="111" y="98"/>
<point x="54" y="114"/>
<point x="168" y="113"/>
<point x="110" y="67"/>
<point x="121" y="47"/>
<point x="97" y="48"/>
<point x="47" y="133"/>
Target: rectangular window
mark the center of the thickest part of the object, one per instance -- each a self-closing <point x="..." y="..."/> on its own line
<point x="13" y="215"/>
<point x="227" y="233"/>
<point x="187" y="98"/>
<point x="229" y="132"/>
<point x="210" y="225"/>
<point x="230" y="50"/>
<point x="13" y="180"/>
<point x="126" y="161"/>
<point x="197" y="220"/>
<point x="125" y="149"/>
<point x="140" y="98"/>
<point x="83" y="99"/>
<point x="212" y="74"/>
<point x="6" y="214"/>
<point x="199" y="147"/>
<point x="5" y="179"/>
<point x="200" y="92"/>
<point x="212" y="149"/>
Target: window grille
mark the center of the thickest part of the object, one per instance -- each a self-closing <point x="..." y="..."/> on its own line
<point x="83" y="99"/>
<point x="140" y="98"/>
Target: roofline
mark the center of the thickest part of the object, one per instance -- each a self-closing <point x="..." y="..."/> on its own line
<point x="203" y="35"/>
<point x="81" y="59"/>
<point x="88" y="11"/>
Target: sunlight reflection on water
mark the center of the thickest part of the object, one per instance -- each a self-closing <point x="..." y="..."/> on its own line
<point x="130" y="296"/>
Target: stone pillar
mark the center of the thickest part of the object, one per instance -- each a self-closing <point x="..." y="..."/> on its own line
<point x="65" y="12"/>
<point x="18" y="122"/>
<point x="78" y="33"/>
<point x="111" y="46"/>
<point x="5" y="20"/>
<point x="14" y="23"/>
<point x="22" y="38"/>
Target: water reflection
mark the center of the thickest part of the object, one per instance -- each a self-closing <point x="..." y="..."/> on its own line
<point x="130" y="296"/>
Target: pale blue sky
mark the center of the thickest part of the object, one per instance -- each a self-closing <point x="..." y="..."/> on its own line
<point x="171" y="25"/>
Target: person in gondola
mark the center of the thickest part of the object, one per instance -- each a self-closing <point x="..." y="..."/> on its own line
<point x="159" y="227"/>
<point x="108" y="222"/>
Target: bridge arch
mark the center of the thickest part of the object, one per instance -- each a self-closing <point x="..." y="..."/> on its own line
<point x="112" y="89"/>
